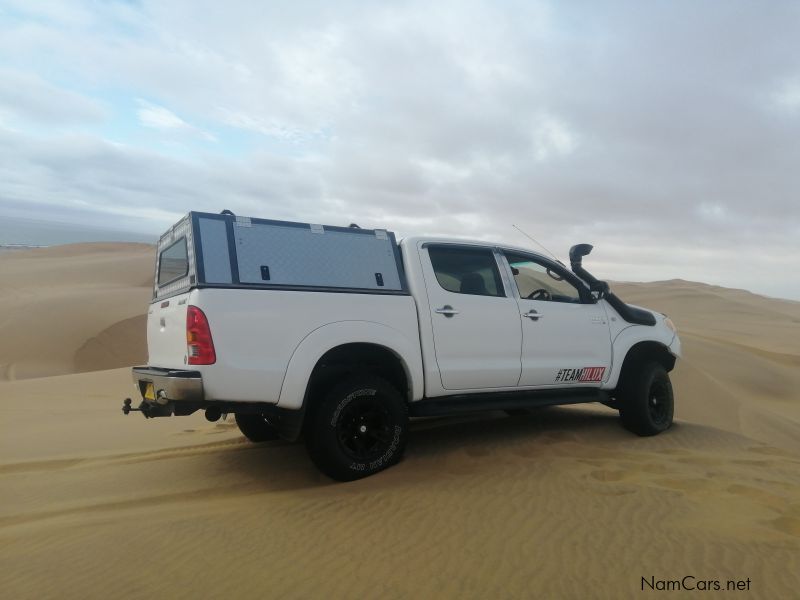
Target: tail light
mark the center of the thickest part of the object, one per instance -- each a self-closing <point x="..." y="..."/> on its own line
<point x="199" y="345"/>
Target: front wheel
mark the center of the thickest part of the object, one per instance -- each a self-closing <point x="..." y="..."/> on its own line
<point x="646" y="403"/>
<point x="357" y="429"/>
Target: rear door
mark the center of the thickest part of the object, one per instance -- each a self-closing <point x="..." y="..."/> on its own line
<point x="566" y="339"/>
<point x="476" y="322"/>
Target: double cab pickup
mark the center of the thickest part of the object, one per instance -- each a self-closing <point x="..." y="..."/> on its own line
<point x="339" y="335"/>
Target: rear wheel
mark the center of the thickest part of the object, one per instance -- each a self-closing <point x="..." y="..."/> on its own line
<point x="357" y="429"/>
<point x="646" y="402"/>
<point x="256" y="428"/>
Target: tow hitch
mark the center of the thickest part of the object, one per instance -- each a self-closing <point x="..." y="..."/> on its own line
<point x="147" y="409"/>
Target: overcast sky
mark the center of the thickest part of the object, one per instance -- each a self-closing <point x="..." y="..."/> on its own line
<point x="667" y="134"/>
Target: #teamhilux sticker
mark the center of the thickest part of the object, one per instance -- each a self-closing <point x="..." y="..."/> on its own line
<point x="584" y="375"/>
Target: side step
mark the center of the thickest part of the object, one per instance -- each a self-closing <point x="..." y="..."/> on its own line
<point x="468" y="403"/>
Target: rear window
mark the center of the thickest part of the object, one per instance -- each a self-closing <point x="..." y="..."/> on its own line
<point x="466" y="270"/>
<point x="173" y="262"/>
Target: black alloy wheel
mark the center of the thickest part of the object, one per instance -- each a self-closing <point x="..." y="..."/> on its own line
<point x="364" y="428"/>
<point x="359" y="428"/>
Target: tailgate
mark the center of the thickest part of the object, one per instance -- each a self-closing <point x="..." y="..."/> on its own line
<point x="166" y="332"/>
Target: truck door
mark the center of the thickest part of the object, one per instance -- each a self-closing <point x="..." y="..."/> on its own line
<point x="476" y="323"/>
<point x="566" y="338"/>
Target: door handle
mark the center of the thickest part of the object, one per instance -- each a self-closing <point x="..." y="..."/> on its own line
<point x="533" y="315"/>
<point x="446" y="310"/>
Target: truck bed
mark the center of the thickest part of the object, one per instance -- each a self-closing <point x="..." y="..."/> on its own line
<point x="257" y="332"/>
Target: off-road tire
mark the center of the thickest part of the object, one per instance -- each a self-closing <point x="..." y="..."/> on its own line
<point x="358" y="428"/>
<point x="517" y="412"/>
<point x="256" y="428"/>
<point x="646" y="402"/>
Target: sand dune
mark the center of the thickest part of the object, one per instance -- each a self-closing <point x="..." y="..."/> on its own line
<point x="562" y="503"/>
<point x="741" y="370"/>
<point x="123" y="343"/>
<point x="55" y="300"/>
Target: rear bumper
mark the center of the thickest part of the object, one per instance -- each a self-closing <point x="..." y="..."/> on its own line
<point x="180" y="393"/>
<point x="169" y="384"/>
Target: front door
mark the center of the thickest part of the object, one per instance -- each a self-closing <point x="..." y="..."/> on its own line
<point x="476" y="322"/>
<point x="566" y="339"/>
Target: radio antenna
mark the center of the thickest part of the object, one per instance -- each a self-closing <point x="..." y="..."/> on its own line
<point x="537" y="243"/>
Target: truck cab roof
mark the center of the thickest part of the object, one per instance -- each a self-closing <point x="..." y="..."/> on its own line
<point x="416" y="240"/>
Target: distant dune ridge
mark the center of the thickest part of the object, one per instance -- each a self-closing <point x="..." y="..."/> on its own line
<point x="58" y="306"/>
<point x="562" y="503"/>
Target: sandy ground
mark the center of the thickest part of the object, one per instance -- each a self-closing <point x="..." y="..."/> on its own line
<point x="563" y="503"/>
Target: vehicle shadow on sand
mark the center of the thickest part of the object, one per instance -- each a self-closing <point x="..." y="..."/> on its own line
<point x="282" y="465"/>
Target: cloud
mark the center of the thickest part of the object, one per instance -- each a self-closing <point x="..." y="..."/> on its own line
<point x="787" y="96"/>
<point x="552" y="137"/>
<point x="157" y="117"/>
<point x="264" y="126"/>
<point x="28" y="98"/>
<point x="667" y="137"/>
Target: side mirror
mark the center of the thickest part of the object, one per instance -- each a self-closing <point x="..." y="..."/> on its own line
<point x="599" y="289"/>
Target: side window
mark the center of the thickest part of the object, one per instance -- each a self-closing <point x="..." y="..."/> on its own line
<point x="173" y="262"/>
<point x="538" y="282"/>
<point x="466" y="270"/>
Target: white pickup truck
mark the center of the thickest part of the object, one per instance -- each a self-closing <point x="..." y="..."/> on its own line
<point x="339" y="334"/>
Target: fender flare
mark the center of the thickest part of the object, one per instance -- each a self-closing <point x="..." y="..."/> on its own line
<point x="327" y="337"/>
<point x="630" y="337"/>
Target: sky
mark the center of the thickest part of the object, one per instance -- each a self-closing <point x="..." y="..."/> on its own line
<point x="666" y="134"/>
